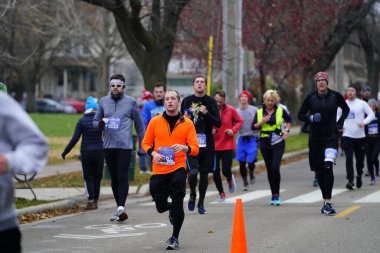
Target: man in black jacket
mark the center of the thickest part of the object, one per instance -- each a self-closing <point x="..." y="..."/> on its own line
<point x="203" y="111"/>
<point x="320" y="109"/>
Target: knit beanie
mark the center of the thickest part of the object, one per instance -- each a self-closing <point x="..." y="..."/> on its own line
<point x="147" y="95"/>
<point x="91" y="103"/>
<point x="323" y="75"/>
<point x="3" y="88"/>
<point x="245" y="92"/>
<point x="373" y="102"/>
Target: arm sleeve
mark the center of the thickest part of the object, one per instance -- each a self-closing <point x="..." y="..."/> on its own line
<point x="98" y="115"/>
<point x="254" y="122"/>
<point x="75" y="138"/>
<point x="146" y="115"/>
<point x="192" y="140"/>
<point x="345" y="110"/>
<point x="147" y="142"/>
<point x="238" y="121"/>
<point x="370" y="114"/>
<point x="287" y="117"/>
<point x="303" y="112"/>
<point x="30" y="146"/>
<point x="139" y="125"/>
<point x="213" y="114"/>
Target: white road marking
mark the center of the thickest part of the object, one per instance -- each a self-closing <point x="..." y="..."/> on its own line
<point x="371" y="198"/>
<point x="208" y="194"/>
<point x="249" y="196"/>
<point x="312" y="197"/>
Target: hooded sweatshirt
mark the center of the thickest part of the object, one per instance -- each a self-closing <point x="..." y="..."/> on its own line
<point x="25" y="150"/>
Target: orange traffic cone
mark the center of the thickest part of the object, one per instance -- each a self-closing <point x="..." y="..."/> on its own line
<point x="239" y="241"/>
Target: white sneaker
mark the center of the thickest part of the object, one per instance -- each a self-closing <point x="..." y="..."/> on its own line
<point x="120" y="215"/>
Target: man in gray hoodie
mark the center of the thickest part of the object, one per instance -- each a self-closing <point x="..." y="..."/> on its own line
<point x="115" y="115"/>
<point x="23" y="149"/>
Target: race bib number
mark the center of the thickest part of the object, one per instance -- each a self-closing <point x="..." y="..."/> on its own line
<point x="373" y="128"/>
<point x="201" y="140"/>
<point x="351" y="115"/>
<point x="168" y="154"/>
<point x="113" y="123"/>
<point x="330" y="154"/>
<point x="275" y="139"/>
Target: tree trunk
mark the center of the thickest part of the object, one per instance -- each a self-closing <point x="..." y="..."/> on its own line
<point x="104" y="75"/>
<point x="346" y="24"/>
<point x="368" y="40"/>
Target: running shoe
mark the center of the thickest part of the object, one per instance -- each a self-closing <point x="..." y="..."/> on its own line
<point x="231" y="184"/>
<point x="277" y="201"/>
<point x="222" y="197"/>
<point x="191" y="202"/>
<point x="327" y="209"/>
<point x="315" y="182"/>
<point x="252" y="179"/>
<point x="350" y="185"/>
<point x="171" y="218"/>
<point x="122" y="215"/>
<point x="372" y="182"/>
<point x="245" y="187"/>
<point x="201" y="209"/>
<point x="359" y="182"/>
<point x="273" y="200"/>
<point x="172" y="243"/>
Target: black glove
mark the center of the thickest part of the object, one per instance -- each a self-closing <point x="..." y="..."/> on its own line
<point x="140" y="152"/>
<point x="101" y="124"/>
<point x="64" y="155"/>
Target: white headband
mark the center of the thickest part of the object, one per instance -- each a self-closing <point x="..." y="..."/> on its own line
<point x="116" y="82"/>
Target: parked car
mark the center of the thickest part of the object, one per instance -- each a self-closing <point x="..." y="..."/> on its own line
<point x="46" y="105"/>
<point x="77" y="104"/>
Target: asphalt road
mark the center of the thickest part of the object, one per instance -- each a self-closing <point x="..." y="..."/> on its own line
<point x="296" y="226"/>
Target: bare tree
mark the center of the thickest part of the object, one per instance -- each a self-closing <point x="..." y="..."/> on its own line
<point x="148" y="31"/>
<point x="31" y="35"/>
<point x="348" y="20"/>
<point x="369" y="36"/>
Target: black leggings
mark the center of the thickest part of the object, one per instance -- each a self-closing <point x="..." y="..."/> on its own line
<point x="10" y="240"/>
<point x="372" y="152"/>
<point x="243" y="170"/>
<point x="174" y="185"/>
<point x="226" y="157"/>
<point x="324" y="176"/>
<point x="118" y="161"/>
<point x="92" y="166"/>
<point x="272" y="157"/>
<point x="203" y="164"/>
<point x="354" y="146"/>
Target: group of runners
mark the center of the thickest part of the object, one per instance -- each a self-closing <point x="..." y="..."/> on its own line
<point x="184" y="141"/>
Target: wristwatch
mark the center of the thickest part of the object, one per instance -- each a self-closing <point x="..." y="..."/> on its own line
<point x="287" y="130"/>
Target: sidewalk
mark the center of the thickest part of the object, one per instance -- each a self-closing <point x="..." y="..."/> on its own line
<point x="70" y="197"/>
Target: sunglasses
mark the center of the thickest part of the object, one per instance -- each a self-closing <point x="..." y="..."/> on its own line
<point x="115" y="85"/>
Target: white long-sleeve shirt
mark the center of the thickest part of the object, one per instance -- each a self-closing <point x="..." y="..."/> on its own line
<point x="360" y="112"/>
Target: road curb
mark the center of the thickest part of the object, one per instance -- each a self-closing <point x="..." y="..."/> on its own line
<point x="66" y="203"/>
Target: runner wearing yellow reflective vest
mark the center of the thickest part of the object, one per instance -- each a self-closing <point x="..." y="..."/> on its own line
<point x="267" y="129"/>
<point x="269" y="120"/>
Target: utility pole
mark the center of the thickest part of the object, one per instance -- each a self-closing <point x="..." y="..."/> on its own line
<point x="232" y="75"/>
